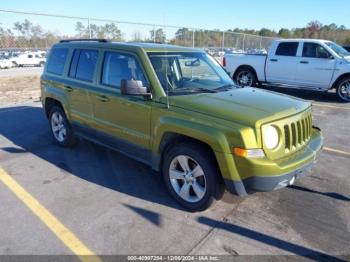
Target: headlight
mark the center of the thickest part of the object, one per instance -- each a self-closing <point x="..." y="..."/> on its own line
<point x="271" y="137"/>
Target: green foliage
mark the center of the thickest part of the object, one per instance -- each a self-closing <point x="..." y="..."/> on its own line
<point x="109" y="31"/>
<point x="158" y="36"/>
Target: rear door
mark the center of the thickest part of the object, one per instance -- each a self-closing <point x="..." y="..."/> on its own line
<point x="315" y="67"/>
<point x="281" y="64"/>
<point x="81" y="80"/>
<point x="122" y="121"/>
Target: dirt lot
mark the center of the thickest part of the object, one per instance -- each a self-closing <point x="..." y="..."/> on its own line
<point x="19" y="89"/>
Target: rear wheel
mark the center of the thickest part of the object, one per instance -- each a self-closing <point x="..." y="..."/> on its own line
<point x="60" y="128"/>
<point x="246" y="77"/>
<point x="343" y="89"/>
<point x="191" y="176"/>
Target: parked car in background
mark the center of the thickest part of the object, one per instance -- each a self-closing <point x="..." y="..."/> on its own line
<point x="176" y="109"/>
<point x="29" y="59"/>
<point x="296" y="63"/>
<point x="347" y="47"/>
<point x="5" y="63"/>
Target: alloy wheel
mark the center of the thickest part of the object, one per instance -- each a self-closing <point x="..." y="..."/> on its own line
<point x="187" y="178"/>
<point x="245" y="78"/>
<point x="344" y="90"/>
<point x="58" y="127"/>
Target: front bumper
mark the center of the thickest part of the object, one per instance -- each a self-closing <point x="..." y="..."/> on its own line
<point x="266" y="175"/>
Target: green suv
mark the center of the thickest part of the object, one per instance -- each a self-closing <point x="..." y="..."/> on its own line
<point x="177" y="110"/>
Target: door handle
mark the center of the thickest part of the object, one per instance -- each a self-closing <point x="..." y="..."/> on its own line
<point x="274" y="60"/>
<point x="304" y="62"/>
<point x="103" y="98"/>
<point x="68" y="88"/>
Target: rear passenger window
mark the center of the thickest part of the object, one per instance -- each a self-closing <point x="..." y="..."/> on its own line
<point x="287" y="49"/>
<point x="117" y="66"/>
<point x="57" y="61"/>
<point x="83" y="64"/>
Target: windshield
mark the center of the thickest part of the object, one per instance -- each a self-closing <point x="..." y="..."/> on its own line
<point x="338" y="49"/>
<point x="185" y="73"/>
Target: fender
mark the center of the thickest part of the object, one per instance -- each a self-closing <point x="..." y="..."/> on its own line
<point x="52" y="90"/>
<point x="208" y="135"/>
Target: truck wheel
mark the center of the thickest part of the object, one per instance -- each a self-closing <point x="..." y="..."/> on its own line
<point x="343" y="89"/>
<point x="246" y="77"/>
<point x="191" y="176"/>
<point x="60" y="128"/>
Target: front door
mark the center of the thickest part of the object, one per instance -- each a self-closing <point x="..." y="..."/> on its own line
<point x="315" y="67"/>
<point x="122" y="121"/>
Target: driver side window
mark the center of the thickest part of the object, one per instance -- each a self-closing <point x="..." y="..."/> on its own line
<point x="120" y="66"/>
<point x="314" y="50"/>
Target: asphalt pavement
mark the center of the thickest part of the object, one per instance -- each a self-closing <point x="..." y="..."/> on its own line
<point x="117" y="206"/>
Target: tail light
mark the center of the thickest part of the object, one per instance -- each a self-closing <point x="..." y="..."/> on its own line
<point x="224" y="62"/>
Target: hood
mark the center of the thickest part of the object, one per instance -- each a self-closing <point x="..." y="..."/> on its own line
<point x="249" y="106"/>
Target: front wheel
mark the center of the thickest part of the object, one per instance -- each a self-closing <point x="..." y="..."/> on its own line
<point x="191" y="176"/>
<point x="246" y="77"/>
<point x="343" y="89"/>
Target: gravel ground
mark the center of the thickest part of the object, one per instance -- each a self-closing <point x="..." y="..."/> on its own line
<point x="19" y="89"/>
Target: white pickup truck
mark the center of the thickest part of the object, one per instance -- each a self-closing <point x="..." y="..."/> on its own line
<point x="297" y="63"/>
<point x="29" y="59"/>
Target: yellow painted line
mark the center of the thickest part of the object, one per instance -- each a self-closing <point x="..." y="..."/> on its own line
<point x="62" y="232"/>
<point x="336" y="151"/>
<point x="330" y="106"/>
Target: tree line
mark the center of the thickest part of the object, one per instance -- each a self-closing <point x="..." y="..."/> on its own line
<point x="26" y="34"/>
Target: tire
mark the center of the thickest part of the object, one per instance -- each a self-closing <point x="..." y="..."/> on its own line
<point x="61" y="130"/>
<point x="195" y="191"/>
<point x="245" y="76"/>
<point x="343" y="89"/>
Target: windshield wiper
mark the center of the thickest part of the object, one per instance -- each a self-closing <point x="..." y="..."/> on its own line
<point x="196" y="90"/>
<point x="224" y="87"/>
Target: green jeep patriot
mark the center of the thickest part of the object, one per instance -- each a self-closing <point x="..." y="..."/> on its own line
<point x="177" y="110"/>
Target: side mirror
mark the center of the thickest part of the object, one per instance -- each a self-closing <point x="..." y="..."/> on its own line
<point x="134" y="88"/>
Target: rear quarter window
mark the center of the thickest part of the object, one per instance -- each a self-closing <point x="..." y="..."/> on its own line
<point x="57" y="61"/>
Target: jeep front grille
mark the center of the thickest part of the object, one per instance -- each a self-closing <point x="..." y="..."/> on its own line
<point x="298" y="133"/>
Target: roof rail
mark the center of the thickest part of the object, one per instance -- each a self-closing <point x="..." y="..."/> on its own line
<point x="84" y="40"/>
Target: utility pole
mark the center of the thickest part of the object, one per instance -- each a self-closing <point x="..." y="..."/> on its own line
<point x="193" y="41"/>
<point x="154" y="33"/>
<point x="89" y="28"/>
